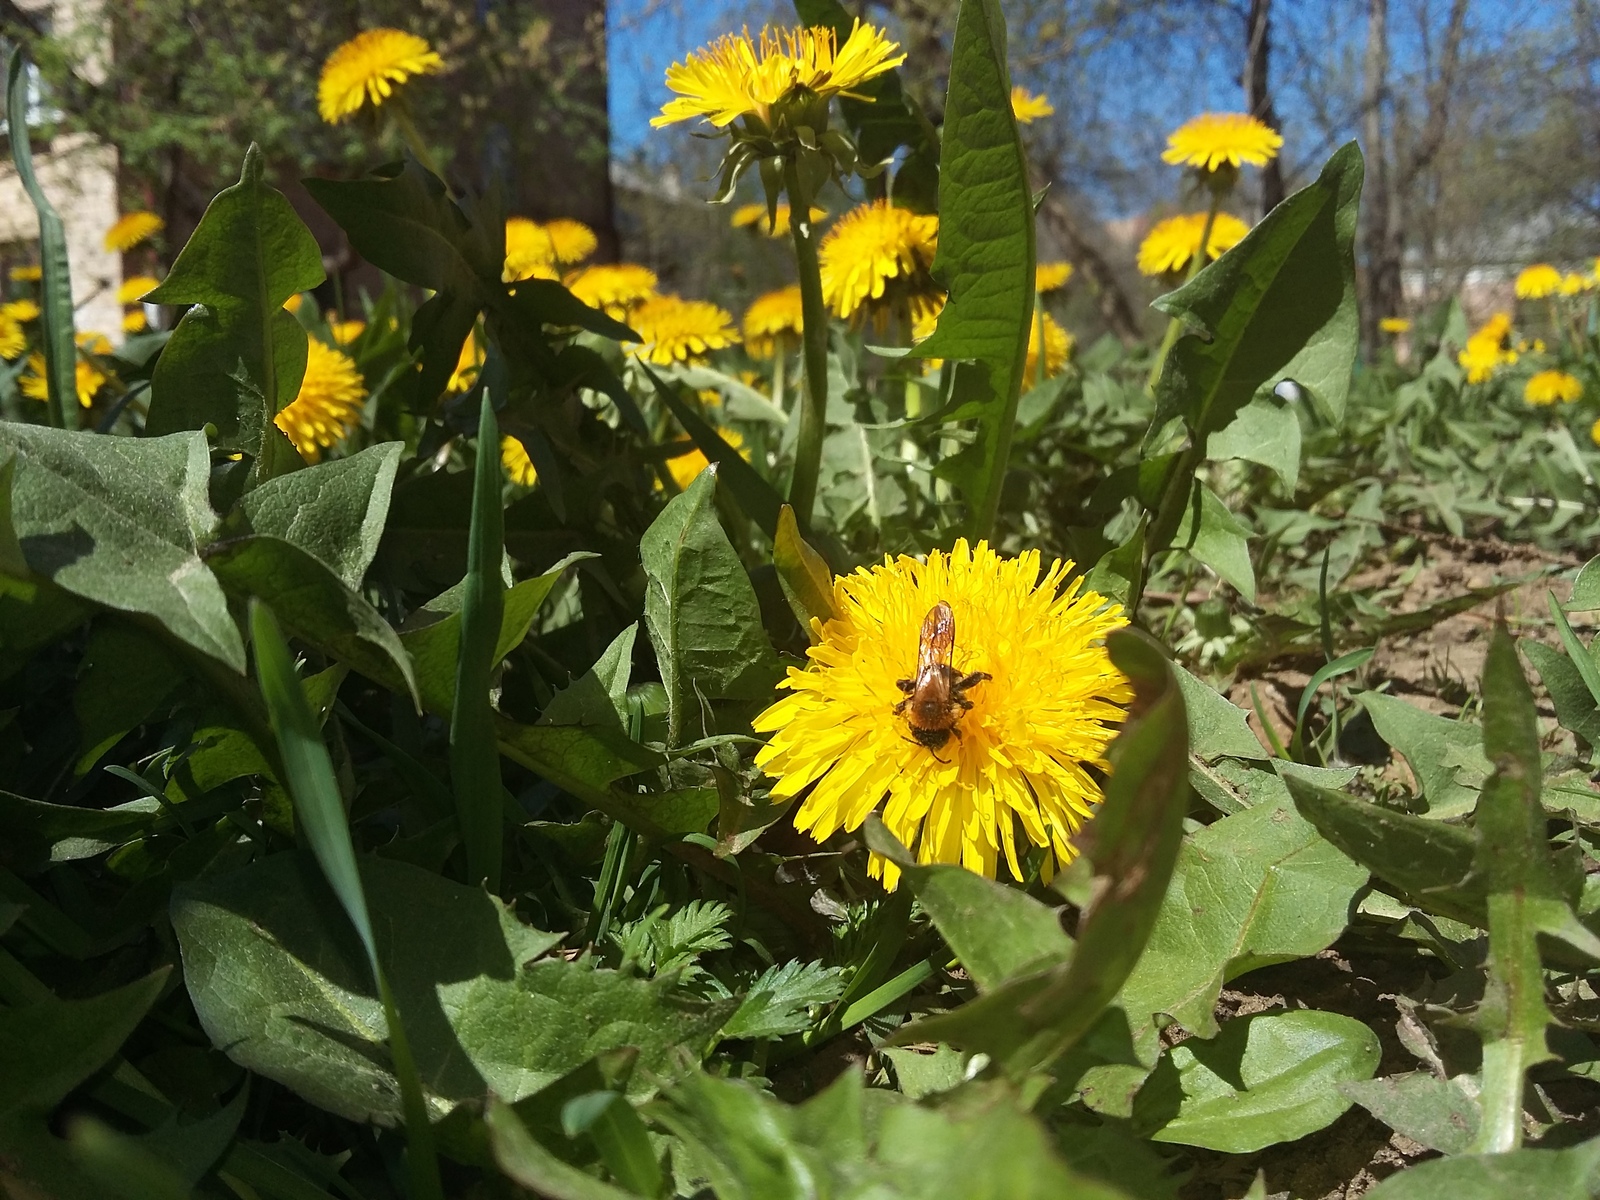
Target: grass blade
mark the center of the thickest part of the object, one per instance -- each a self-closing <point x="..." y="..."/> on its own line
<point x="474" y="756"/>
<point x="60" y="344"/>
<point x="308" y="774"/>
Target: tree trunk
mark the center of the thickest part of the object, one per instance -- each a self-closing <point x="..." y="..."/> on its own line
<point x="1258" y="94"/>
<point x="1381" y="243"/>
<point x="1115" y="309"/>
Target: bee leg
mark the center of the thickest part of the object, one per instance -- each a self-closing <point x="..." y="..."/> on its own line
<point x="962" y="701"/>
<point x="906" y="685"/>
<point x="975" y="678"/>
<point x="901" y="707"/>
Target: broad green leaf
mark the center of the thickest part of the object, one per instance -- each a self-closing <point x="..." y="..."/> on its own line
<point x="1217" y="539"/>
<point x="313" y="603"/>
<point x="1133" y="842"/>
<point x="1428" y="862"/>
<point x="1279" y="305"/>
<point x="1574" y="702"/>
<point x="334" y="510"/>
<point x="60" y="343"/>
<point x="281" y="984"/>
<point x="237" y="358"/>
<point x="1265" y="431"/>
<point x="179" y="1153"/>
<point x="126" y="674"/>
<point x="918" y="1073"/>
<point x="1586" y="588"/>
<point x="1217" y="726"/>
<point x="34" y="833"/>
<point x="1570" y="1174"/>
<point x="1445" y="755"/>
<point x="985" y="257"/>
<point x="997" y="932"/>
<point x="600" y="695"/>
<point x="757" y="498"/>
<point x="525" y="1161"/>
<point x="607" y="1118"/>
<point x="1119" y="575"/>
<point x="1256" y="888"/>
<point x="474" y="759"/>
<point x="50" y="1047"/>
<point x="585" y="760"/>
<point x="119" y="521"/>
<point x="1581" y="656"/>
<point x="13" y="562"/>
<point x="1435" y="1112"/>
<point x="1267" y="1078"/>
<point x="701" y="612"/>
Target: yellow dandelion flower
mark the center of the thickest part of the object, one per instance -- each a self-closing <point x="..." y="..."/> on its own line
<point x="876" y="255"/>
<point x="1057" y="348"/>
<point x="89" y="379"/>
<point x="31" y="273"/>
<point x="518" y="466"/>
<point x="1045" y="704"/>
<point x="293" y="303"/>
<point x="1573" y="284"/>
<point x="1214" y="140"/>
<point x="368" y="68"/>
<point x="1395" y="325"/>
<point x="614" y="288"/>
<point x="1028" y="107"/>
<point x="686" y="468"/>
<point x="1594" y="432"/>
<point x="467" y="365"/>
<point x="1168" y="247"/>
<point x="1051" y="276"/>
<point x="1552" y="387"/>
<point x="92" y="342"/>
<point x="736" y="76"/>
<point x="1486" y="349"/>
<point x="345" y="332"/>
<point x="1538" y="281"/>
<point x="754" y="216"/>
<point x="675" y="330"/>
<point x="774" y="322"/>
<point x="571" y="241"/>
<point x="328" y="404"/>
<point x="20" y="310"/>
<point x="134" y="288"/>
<point x="530" y="254"/>
<point x="134" y="321"/>
<point x="13" y="340"/>
<point x="129" y="230"/>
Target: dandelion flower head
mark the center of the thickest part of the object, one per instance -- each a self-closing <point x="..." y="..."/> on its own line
<point x="1212" y="141"/>
<point x="1552" y="387"/>
<point x="1028" y="107"/>
<point x="328" y="404"/>
<point x="1594" y="432"/>
<point x="518" y="466"/>
<point x="675" y="330"/>
<point x="1051" y="276"/>
<point x="1395" y="325"/>
<point x="774" y="322"/>
<point x="13" y="339"/>
<point x="368" y="68"/>
<point x="1486" y="350"/>
<point x="1057" y="348"/>
<point x="134" y="288"/>
<point x="134" y="321"/>
<point x="686" y="468"/>
<point x="128" y="231"/>
<point x="1023" y="759"/>
<point x="879" y="253"/>
<point x="737" y="76"/>
<point x="1537" y="282"/>
<point x="529" y="252"/>
<point x="467" y="366"/>
<point x="1573" y="284"/>
<point x="20" y="310"/>
<point x="1168" y="247"/>
<point x="345" y="332"/>
<point x="614" y="288"/>
<point x="88" y="379"/>
<point x="28" y="273"/>
<point x="754" y="216"/>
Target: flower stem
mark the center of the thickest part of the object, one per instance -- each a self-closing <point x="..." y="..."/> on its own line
<point x="1174" y="326"/>
<point x="780" y="361"/>
<point x="814" y="340"/>
<point x="401" y="113"/>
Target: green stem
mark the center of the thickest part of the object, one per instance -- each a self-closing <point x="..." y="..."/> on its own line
<point x="1174" y="326"/>
<point x="780" y="361"/>
<point x="1041" y="367"/>
<point x="814" y="340"/>
<point x="401" y="113"/>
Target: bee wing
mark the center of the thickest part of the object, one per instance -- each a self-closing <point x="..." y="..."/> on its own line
<point x="938" y="639"/>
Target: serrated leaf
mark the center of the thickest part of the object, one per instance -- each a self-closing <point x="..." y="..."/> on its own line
<point x="777" y="1002"/>
<point x="1217" y="726"/>
<point x="119" y="521"/>
<point x="1265" y="431"/>
<point x="1436" y="1112"/>
<point x="1217" y="539"/>
<point x="1569" y="1174"/>
<point x="1444" y="755"/>
<point x="1268" y="1078"/>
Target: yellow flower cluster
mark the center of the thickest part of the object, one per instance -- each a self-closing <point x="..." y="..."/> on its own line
<point x="686" y="468"/>
<point x="1487" y="350"/>
<point x="328" y="404"/>
<point x="754" y="216"/>
<point x="1051" y="276"/>
<point x="614" y="288"/>
<point x="127" y="232"/>
<point x="1552" y="387"/>
<point x="675" y="330"/>
<point x="737" y="76"/>
<point x="773" y="322"/>
<point x="540" y="251"/>
<point x="88" y="378"/>
<point x="1021" y="757"/>
<point x="1028" y="107"/>
<point x="518" y="466"/>
<point x="1057" y="348"/>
